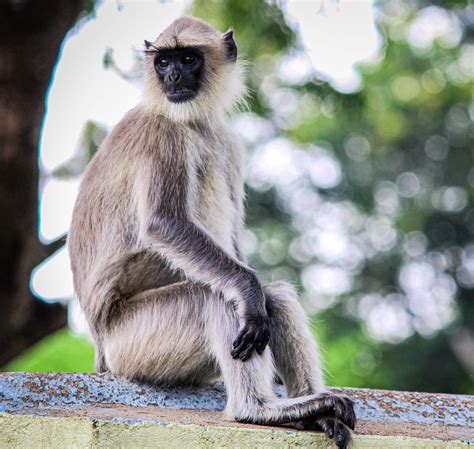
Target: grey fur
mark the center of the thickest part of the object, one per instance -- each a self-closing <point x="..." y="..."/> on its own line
<point x="155" y="247"/>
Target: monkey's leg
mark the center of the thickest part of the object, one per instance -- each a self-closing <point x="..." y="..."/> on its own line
<point x="249" y="384"/>
<point x="130" y="273"/>
<point x="296" y="355"/>
<point x="293" y="346"/>
<point x="174" y="334"/>
<point x="159" y="338"/>
<point x="99" y="359"/>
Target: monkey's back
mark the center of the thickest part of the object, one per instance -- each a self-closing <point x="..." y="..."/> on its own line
<point x="104" y="223"/>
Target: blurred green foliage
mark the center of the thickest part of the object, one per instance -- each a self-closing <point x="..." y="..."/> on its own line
<point x="404" y="315"/>
<point x="62" y="351"/>
<point x="404" y="144"/>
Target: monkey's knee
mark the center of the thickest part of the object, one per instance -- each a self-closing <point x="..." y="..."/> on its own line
<point x="282" y="300"/>
<point x="289" y="322"/>
<point x="292" y="342"/>
<point x="280" y="290"/>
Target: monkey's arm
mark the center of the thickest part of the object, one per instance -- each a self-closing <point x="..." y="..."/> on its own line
<point x="236" y="159"/>
<point x="165" y="206"/>
<point x="239" y="252"/>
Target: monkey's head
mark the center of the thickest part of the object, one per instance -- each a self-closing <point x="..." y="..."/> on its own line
<point x="191" y="71"/>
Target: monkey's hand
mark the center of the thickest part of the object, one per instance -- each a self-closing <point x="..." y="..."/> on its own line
<point x="255" y="333"/>
<point x="253" y="336"/>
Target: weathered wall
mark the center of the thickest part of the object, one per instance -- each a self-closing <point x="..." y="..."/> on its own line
<point x="70" y="410"/>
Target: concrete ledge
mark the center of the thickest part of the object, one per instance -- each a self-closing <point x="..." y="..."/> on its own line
<point x="71" y="410"/>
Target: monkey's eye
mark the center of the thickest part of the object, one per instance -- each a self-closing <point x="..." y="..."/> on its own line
<point x="163" y="63"/>
<point x="189" y="59"/>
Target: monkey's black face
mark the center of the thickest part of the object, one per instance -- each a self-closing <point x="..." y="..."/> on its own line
<point x="180" y="73"/>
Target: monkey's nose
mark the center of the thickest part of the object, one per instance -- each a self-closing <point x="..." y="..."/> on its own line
<point x="174" y="77"/>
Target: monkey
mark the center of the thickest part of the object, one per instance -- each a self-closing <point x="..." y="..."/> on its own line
<point x="155" y="246"/>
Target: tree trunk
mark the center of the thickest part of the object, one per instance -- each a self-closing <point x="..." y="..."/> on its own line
<point x="31" y="33"/>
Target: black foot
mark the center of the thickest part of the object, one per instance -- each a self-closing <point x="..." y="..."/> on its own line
<point x="334" y="428"/>
<point x="335" y="418"/>
<point x="340" y="407"/>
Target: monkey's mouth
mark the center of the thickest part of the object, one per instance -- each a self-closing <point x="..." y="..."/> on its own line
<point x="181" y="95"/>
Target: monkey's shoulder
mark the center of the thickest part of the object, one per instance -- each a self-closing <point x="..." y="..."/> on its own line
<point x="146" y="139"/>
<point x="141" y="131"/>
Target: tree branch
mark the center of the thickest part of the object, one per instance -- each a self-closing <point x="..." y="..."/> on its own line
<point x="50" y="248"/>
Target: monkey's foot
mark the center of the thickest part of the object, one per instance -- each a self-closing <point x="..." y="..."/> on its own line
<point x="340" y="407"/>
<point x="333" y="427"/>
<point x="330" y="413"/>
<point x="336" y="421"/>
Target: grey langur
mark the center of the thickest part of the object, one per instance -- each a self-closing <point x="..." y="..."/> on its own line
<point x="156" y="248"/>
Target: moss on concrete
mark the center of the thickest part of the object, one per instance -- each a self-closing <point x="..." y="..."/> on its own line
<point x="25" y="432"/>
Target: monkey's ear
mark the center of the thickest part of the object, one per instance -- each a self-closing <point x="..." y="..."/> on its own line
<point x="230" y="45"/>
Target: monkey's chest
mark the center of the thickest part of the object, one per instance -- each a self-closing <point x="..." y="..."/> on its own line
<point x="214" y="204"/>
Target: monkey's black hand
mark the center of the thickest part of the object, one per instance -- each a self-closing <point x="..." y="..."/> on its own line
<point x="253" y="336"/>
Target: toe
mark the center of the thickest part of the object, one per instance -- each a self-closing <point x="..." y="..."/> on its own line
<point x="342" y="435"/>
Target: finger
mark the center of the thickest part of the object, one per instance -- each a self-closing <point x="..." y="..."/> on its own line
<point x="308" y="424"/>
<point x="261" y="341"/>
<point x="244" y="336"/>
<point x="261" y="344"/>
<point x="335" y="428"/>
<point x="260" y="348"/>
<point x="266" y="337"/>
<point x="342" y="435"/>
<point x="329" y="431"/>
<point x="349" y="417"/>
<point x="247" y="353"/>
<point x="242" y="345"/>
<point x="239" y="337"/>
<point x="235" y="353"/>
<point x="344" y="410"/>
<point x="326" y="424"/>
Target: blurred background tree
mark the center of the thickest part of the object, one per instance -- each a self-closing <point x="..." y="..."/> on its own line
<point x="31" y="35"/>
<point x="363" y="199"/>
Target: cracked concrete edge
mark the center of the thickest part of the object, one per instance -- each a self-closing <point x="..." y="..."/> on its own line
<point x="23" y="390"/>
<point x="24" y="432"/>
